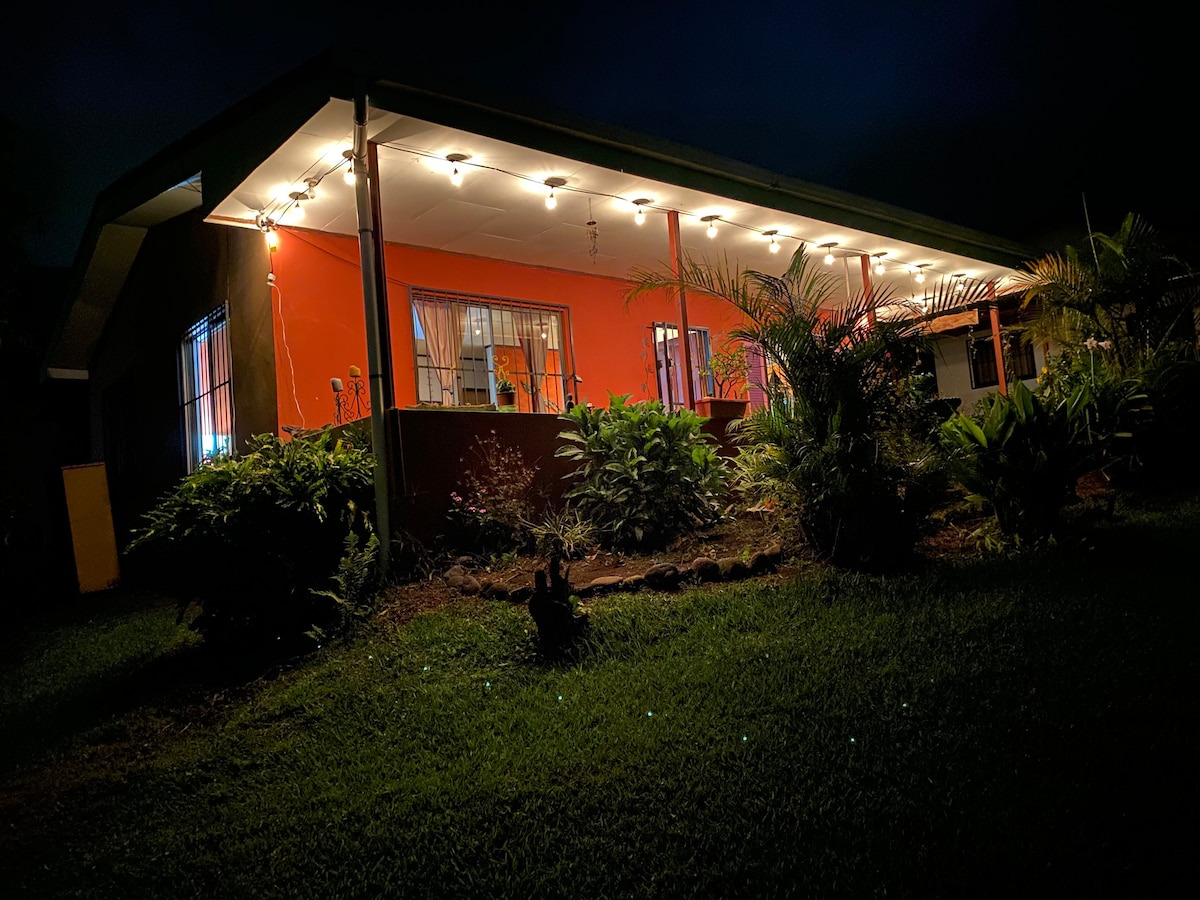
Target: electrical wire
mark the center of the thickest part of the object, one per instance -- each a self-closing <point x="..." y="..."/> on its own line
<point x="288" y="352"/>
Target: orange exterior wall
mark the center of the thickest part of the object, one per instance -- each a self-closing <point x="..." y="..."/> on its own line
<point x="320" y="329"/>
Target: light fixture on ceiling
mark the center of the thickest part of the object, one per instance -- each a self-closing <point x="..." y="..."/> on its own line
<point x="879" y="269"/>
<point x="348" y="175"/>
<point x="774" y="248"/>
<point x="712" y="225"/>
<point x="920" y="276"/>
<point x="267" y="227"/>
<point x="960" y="282"/>
<point x="640" y="215"/>
<point x="828" y="248"/>
<point x="552" y="183"/>
<point x="454" y="159"/>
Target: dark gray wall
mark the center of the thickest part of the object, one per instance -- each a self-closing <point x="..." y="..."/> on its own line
<point x="185" y="269"/>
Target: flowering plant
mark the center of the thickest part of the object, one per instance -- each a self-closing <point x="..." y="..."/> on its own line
<point x="492" y="508"/>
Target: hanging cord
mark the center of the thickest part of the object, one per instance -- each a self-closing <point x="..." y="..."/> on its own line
<point x="288" y="351"/>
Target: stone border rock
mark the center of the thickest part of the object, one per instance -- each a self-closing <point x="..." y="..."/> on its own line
<point x="660" y="577"/>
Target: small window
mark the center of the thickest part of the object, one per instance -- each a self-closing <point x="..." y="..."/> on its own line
<point x="1018" y="360"/>
<point x="206" y="391"/>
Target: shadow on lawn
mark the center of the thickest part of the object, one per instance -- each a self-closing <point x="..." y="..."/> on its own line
<point x="173" y="686"/>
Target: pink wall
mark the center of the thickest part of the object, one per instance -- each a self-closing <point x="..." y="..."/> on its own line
<point x="320" y="330"/>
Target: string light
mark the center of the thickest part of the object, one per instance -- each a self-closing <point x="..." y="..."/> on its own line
<point x="552" y="183"/>
<point x="454" y="159"/>
<point x="292" y="211"/>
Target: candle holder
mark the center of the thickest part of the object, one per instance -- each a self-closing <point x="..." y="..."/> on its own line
<point x="350" y="399"/>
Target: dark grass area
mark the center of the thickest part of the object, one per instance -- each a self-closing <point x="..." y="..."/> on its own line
<point x="984" y="728"/>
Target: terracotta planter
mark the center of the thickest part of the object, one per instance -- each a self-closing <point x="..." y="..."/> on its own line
<point x="506" y="398"/>
<point x="721" y="408"/>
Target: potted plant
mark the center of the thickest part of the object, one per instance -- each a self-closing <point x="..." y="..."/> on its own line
<point x="506" y="391"/>
<point x="728" y="369"/>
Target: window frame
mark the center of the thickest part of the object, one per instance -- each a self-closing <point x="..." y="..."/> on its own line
<point x="982" y="365"/>
<point x="556" y="383"/>
<point x="205" y="371"/>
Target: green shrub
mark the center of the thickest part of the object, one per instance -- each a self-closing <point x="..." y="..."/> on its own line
<point x="564" y="534"/>
<point x="646" y="475"/>
<point x="1023" y="455"/>
<point x="256" y="537"/>
<point x="846" y="432"/>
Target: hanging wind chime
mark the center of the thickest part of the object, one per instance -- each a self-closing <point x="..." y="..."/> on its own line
<point x="593" y="233"/>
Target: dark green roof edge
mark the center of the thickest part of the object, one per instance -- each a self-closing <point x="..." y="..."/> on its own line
<point x="614" y="147"/>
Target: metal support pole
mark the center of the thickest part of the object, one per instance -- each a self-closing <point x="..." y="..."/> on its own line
<point x="997" y="339"/>
<point x="364" y="185"/>
<point x="685" y="338"/>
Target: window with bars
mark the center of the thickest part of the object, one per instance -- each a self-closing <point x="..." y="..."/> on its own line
<point x="461" y="341"/>
<point x="206" y="388"/>
<point x="1019" y="363"/>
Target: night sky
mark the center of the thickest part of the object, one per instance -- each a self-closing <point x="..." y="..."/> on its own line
<point x="996" y="115"/>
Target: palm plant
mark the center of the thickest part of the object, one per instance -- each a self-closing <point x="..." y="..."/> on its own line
<point x="822" y="443"/>
<point x="1122" y="314"/>
<point x="1125" y="291"/>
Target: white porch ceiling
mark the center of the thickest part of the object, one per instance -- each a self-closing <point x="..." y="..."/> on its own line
<point x="499" y="210"/>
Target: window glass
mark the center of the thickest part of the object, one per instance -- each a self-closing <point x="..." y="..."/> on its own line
<point x="206" y="391"/>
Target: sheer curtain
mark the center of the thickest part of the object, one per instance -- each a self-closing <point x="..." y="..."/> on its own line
<point x="533" y="345"/>
<point x="443" y="325"/>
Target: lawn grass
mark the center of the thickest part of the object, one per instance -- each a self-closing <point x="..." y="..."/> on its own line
<point x="983" y="728"/>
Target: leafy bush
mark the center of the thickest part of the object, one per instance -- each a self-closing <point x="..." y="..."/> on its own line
<point x="646" y="475"/>
<point x="1123" y="314"/>
<point x="491" y="514"/>
<point x="256" y="538"/>
<point x="836" y="452"/>
<point x="1023" y="455"/>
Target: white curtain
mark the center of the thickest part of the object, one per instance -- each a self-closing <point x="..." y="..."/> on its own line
<point x="443" y="324"/>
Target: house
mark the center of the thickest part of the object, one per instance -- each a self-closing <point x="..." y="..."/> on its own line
<point x="244" y="281"/>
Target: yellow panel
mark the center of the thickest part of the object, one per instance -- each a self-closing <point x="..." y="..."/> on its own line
<point x="92" y="533"/>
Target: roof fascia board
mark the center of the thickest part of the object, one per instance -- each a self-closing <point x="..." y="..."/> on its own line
<point x="649" y="157"/>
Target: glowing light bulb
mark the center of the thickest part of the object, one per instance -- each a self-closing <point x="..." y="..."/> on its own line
<point x="829" y="259"/>
<point x="348" y="175"/>
<point x="640" y="216"/>
<point x="272" y="239"/>
<point x="774" y="248"/>
<point x="712" y="230"/>
<point x="456" y="177"/>
<point x="829" y="252"/>
<point x="879" y="269"/>
<point x="920" y="279"/>
<point x="551" y="200"/>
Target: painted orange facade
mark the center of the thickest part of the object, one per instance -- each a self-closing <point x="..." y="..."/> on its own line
<point x="320" y="328"/>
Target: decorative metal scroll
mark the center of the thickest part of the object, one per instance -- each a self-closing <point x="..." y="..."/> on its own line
<point x="351" y="400"/>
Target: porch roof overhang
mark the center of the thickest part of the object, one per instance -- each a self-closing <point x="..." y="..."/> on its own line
<point x="240" y="167"/>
